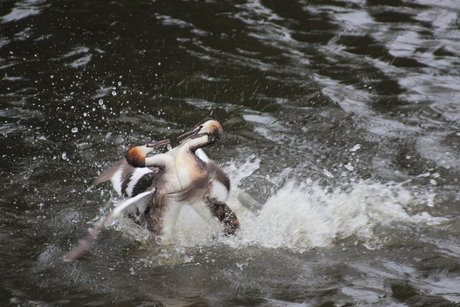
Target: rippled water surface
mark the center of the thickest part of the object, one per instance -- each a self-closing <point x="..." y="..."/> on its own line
<point x="341" y="122"/>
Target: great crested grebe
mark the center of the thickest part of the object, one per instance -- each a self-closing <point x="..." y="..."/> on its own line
<point x="206" y="186"/>
<point x="143" y="188"/>
<point x="155" y="187"/>
<point x="129" y="178"/>
<point x="137" y="174"/>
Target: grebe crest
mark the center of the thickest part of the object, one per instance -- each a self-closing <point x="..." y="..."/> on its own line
<point x="208" y="127"/>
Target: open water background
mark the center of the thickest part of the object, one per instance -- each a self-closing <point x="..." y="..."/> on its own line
<point x="341" y="122"/>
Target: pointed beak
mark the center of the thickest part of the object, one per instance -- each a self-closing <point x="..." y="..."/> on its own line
<point x="190" y="134"/>
<point x="157" y="144"/>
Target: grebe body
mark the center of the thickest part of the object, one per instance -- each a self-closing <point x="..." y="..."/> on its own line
<point x="206" y="185"/>
<point x="155" y="187"/>
<point x="137" y="174"/>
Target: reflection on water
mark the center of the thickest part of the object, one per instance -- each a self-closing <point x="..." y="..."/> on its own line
<point x="341" y="125"/>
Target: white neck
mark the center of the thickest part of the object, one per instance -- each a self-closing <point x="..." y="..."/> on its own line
<point x="160" y="160"/>
<point x="186" y="165"/>
<point x="195" y="143"/>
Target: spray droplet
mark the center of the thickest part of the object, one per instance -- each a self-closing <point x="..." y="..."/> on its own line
<point x="355" y="148"/>
<point x="349" y="167"/>
<point x="74" y="130"/>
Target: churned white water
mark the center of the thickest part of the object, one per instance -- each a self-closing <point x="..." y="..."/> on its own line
<point x="302" y="215"/>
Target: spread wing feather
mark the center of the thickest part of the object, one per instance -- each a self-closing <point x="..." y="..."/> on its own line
<point x="108" y="173"/>
<point x="77" y="252"/>
<point x="204" y="184"/>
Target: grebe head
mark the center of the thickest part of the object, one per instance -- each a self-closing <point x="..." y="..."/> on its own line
<point x="208" y="127"/>
<point x="135" y="154"/>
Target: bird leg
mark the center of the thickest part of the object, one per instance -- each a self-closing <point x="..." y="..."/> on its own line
<point x="224" y="214"/>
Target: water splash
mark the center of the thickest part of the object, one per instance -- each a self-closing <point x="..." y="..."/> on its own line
<point x="303" y="215"/>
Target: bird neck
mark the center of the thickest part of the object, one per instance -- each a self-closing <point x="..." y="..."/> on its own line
<point x="194" y="144"/>
<point x="160" y="160"/>
<point x="188" y="166"/>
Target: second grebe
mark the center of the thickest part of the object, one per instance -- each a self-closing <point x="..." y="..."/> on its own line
<point x="206" y="184"/>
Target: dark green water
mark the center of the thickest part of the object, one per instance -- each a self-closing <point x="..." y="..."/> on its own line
<point x="342" y="130"/>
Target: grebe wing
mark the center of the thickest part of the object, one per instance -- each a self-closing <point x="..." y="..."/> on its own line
<point x="202" y="155"/>
<point x="218" y="174"/>
<point x="220" y="187"/>
<point x="108" y="173"/>
<point x="213" y="181"/>
<point x="77" y="252"/>
<point x="128" y="181"/>
<point x="215" y="172"/>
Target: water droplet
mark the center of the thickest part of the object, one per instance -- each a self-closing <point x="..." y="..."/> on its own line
<point x="101" y="102"/>
<point x="328" y="173"/>
<point x="74" y="130"/>
<point x="355" y="148"/>
<point x="114" y="93"/>
<point x="349" y="167"/>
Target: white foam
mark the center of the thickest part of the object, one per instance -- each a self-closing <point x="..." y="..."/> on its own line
<point x="303" y="215"/>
